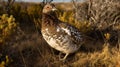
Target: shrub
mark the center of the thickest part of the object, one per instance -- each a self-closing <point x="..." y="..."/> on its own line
<point x="5" y="62"/>
<point x="101" y="13"/>
<point x="7" y="27"/>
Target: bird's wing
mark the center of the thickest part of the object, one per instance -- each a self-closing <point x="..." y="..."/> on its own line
<point x="71" y="31"/>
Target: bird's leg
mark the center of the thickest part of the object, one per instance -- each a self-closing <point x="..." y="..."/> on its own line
<point x="65" y="56"/>
<point x="60" y="56"/>
<point x="63" y="59"/>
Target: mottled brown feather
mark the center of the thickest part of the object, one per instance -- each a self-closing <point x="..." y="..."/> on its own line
<point x="53" y="28"/>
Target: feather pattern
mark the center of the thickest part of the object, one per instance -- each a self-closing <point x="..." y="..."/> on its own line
<point x="59" y="35"/>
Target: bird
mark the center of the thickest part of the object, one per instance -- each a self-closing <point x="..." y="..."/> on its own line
<point x="58" y="34"/>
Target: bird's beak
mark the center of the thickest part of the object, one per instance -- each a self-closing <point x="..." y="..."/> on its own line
<point x="54" y="9"/>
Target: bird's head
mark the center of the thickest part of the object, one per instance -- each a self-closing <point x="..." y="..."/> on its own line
<point x="49" y="8"/>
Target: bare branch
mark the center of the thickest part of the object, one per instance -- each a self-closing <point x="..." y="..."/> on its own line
<point x="7" y="5"/>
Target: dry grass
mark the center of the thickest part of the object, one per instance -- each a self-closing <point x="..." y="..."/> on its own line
<point x="107" y="57"/>
<point x="27" y="48"/>
<point x="30" y="50"/>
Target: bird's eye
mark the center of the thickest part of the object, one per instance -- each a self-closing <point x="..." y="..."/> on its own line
<point x="47" y="7"/>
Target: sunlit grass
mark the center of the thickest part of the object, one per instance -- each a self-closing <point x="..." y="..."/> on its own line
<point x="31" y="49"/>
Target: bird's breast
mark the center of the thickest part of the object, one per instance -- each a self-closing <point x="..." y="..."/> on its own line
<point x="60" y="42"/>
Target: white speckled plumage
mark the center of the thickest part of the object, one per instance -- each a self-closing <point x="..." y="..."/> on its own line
<point x="59" y="35"/>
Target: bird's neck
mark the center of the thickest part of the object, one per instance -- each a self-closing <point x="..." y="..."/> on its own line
<point x="51" y="16"/>
<point x="49" y="19"/>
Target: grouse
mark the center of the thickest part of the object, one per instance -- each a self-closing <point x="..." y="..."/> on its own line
<point x="59" y="35"/>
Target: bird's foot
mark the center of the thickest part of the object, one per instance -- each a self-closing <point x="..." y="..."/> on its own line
<point x="63" y="59"/>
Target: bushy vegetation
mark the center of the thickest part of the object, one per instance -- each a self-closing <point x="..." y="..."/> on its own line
<point x="5" y="62"/>
<point x="7" y="27"/>
<point x="21" y="41"/>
